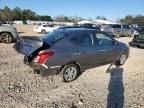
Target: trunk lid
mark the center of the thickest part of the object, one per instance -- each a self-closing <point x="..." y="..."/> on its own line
<point x="28" y="45"/>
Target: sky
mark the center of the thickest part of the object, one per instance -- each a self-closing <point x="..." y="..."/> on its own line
<point x="111" y="9"/>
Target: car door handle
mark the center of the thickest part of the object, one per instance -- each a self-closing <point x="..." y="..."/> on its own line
<point x="77" y="53"/>
<point x="102" y="50"/>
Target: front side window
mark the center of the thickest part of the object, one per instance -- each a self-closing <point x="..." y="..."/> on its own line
<point x="103" y="40"/>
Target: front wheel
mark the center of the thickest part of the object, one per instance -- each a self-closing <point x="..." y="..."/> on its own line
<point x="121" y="60"/>
<point x="70" y="72"/>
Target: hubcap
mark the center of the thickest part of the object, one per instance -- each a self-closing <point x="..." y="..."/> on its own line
<point x="70" y="73"/>
<point x="43" y="31"/>
<point x="6" y="38"/>
<point x="122" y="58"/>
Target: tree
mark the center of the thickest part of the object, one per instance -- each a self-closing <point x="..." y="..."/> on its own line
<point x="28" y="14"/>
<point x="6" y="14"/>
<point x="45" y="18"/>
<point x="128" y="19"/>
<point x="62" y="18"/>
<point x="17" y="14"/>
<point x="121" y="21"/>
<point x="138" y="19"/>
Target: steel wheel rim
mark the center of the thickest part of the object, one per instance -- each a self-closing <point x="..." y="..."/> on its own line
<point x="70" y="73"/>
<point x="122" y="59"/>
<point x="6" y="38"/>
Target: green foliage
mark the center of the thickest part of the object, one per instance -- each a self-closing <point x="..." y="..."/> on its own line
<point x="8" y="14"/>
<point x="45" y="18"/>
<point x="138" y="20"/>
<point x="62" y="18"/>
<point x="133" y="20"/>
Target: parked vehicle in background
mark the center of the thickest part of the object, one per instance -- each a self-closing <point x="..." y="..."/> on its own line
<point x="8" y="34"/>
<point x="118" y="30"/>
<point x="139" y="27"/>
<point x="138" y="40"/>
<point x="44" y="28"/>
<point x="88" y="26"/>
<point x="71" y="51"/>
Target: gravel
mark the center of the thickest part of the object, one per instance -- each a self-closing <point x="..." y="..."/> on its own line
<point x="95" y="88"/>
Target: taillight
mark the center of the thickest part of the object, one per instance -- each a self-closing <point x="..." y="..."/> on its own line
<point x="41" y="57"/>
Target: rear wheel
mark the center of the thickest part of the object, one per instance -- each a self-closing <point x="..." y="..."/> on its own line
<point x="6" y="38"/>
<point x="121" y="60"/>
<point x="43" y="31"/>
<point x="70" y="72"/>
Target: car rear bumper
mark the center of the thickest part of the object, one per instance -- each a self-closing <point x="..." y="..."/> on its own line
<point x="43" y="69"/>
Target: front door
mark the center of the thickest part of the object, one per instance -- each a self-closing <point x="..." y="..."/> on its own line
<point x="106" y="49"/>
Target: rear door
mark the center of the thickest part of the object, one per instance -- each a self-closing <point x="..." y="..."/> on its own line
<point x="84" y="51"/>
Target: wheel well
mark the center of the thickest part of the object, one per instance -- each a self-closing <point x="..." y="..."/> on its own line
<point x="76" y="63"/>
<point x="43" y="30"/>
<point x="6" y="32"/>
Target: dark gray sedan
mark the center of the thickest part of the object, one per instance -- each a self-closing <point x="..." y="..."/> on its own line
<point x="71" y="51"/>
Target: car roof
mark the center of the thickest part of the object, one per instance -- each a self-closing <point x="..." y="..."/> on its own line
<point x="74" y="30"/>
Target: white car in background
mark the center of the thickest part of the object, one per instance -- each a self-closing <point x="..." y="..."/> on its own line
<point x="45" y="28"/>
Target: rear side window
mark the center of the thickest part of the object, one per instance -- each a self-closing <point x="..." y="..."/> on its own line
<point x="53" y="37"/>
<point x="82" y="39"/>
<point x="103" y="40"/>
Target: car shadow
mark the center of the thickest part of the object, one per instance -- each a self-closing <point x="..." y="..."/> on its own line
<point x="115" y="97"/>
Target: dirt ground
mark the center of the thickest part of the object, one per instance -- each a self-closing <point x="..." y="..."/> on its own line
<point x="121" y="87"/>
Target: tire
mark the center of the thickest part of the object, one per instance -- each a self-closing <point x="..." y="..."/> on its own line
<point x="70" y="72"/>
<point x="6" y="38"/>
<point x="43" y="31"/>
<point x="122" y="59"/>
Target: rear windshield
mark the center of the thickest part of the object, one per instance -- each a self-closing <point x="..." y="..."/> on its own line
<point x="53" y="37"/>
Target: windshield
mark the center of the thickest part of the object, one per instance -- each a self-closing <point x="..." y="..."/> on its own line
<point x="53" y="37"/>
